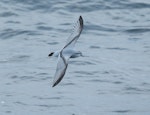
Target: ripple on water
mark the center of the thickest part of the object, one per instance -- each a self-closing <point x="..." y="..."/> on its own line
<point x="95" y="47"/>
<point x="137" y="30"/>
<point x="92" y="27"/>
<point x="10" y="33"/>
<point x="133" y="90"/>
<point x="122" y="111"/>
<point x="117" y="48"/>
<point x="8" y="14"/>
<point x="134" y="39"/>
<point x="19" y="58"/>
<point x="47" y="98"/>
<point x="48" y="105"/>
<point x="8" y="112"/>
<point x="69" y="84"/>
<point x="45" y="28"/>
<point x="52" y="43"/>
<point x="84" y="73"/>
<point x="13" y="22"/>
<point x="98" y="80"/>
<point x="20" y="103"/>
<point x="25" y="77"/>
<point x="19" y="78"/>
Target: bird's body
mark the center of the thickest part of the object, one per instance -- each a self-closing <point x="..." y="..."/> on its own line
<point x="75" y="53"/>
<point x="67" y="52"/>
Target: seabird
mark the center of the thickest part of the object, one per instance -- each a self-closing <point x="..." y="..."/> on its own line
<point x="67" y="52"/>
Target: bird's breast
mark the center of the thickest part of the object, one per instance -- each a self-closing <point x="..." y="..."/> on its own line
<point x="68" y="52"/>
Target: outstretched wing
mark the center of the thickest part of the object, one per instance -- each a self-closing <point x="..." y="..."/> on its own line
<point x="60" y="70"/>
<point x="75" y="34"/>
<point x="63" y="59"/>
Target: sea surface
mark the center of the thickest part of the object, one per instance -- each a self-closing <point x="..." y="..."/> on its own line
<point x="112" y="77"/>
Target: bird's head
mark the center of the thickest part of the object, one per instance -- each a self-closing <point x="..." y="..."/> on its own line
<point x="51" y="54"/>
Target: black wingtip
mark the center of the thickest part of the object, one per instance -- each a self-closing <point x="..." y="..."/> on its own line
<point x="80" y="17"/>
<point x="81" y="21"/>
<point x="60" y="78"/>
<point x="56" y="83"/>
<point x="53" y="85"/>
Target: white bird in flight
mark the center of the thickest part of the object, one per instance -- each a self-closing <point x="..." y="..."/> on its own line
<point x="67" y="52"/>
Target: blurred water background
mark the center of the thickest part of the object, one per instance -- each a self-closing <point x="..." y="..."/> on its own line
<point x="113" y="77"/>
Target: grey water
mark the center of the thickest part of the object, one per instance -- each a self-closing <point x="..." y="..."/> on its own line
<point x="113" y="76"/>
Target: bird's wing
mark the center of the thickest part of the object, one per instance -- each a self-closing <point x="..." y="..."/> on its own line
<point x="64" y="57"/>
<point x="61" y="69"/>
<point x="75" y="34"/>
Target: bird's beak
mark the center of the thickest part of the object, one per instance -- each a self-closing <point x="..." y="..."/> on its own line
<point x="49" y="55"/>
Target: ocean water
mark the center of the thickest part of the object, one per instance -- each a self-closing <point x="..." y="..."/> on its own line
<point x="113" y="77"/>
